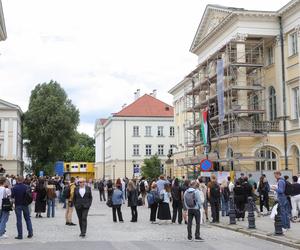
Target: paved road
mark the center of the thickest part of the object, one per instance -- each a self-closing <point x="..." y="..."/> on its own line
<point x="103" y="234"/>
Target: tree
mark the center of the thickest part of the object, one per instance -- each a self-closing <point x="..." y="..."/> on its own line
<point x="83" y="150"/>
<point x="50" y="125"/>
<point x="151" y="167"/>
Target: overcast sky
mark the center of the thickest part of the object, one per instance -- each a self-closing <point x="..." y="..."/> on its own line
<point x="101" y="51"/>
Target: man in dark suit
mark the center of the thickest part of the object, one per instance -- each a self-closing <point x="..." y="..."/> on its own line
<point x="82" y="202"/>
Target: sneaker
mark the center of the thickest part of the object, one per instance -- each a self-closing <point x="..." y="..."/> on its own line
<point x="72" y="224"/>
<point x="30" y="236"/>
<point x="190" y="238"/>
<point x="198" y="239"/>
<point x="3" y="236"/>
<point x="284" y="230"/>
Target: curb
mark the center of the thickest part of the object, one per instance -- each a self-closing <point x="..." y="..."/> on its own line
<point x="260" y="235"/>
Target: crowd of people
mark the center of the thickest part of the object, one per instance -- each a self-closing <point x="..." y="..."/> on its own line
<point x="188" y="199"/>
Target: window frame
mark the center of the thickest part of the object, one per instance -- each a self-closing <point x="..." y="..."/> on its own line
<point x="172" y="131"/>
<point x="160" y="149"/>
<point x="293" y="44"/>
<point x="296" y="103"/>
<point x="148" y="129"/>
<point x="136" y="150"/>
<point x="148" y="149"/>
<point x="160" y="131"/>
<point x="272" y="104"/>
<point x="136" y="131"/>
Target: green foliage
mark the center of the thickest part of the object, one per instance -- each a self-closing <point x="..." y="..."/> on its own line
<point x="83" y="150"/>
<point x="50" y="125"/>
<point x="151" y="167"/>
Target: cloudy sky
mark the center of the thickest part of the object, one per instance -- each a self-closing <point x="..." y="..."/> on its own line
<point x="101" y="51"/>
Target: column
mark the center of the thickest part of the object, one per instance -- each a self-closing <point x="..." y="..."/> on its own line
<point x="241" y="73"/>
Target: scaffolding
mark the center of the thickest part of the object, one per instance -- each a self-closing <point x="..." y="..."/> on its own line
<point x="244" y="102"/>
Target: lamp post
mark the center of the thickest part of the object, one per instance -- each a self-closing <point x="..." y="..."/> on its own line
<point x="114" y="166"/>
<point x="133" y="166"/>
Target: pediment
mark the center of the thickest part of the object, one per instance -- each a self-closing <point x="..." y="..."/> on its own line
<point x="7" y="105"/>
<point x="213" y="16"/>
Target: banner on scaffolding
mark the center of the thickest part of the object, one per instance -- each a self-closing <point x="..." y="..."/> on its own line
<point x="220" y="89"/>
<point x="205" y="131"/>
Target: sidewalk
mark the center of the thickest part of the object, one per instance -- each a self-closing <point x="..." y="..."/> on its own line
<point x="264" y="230"/>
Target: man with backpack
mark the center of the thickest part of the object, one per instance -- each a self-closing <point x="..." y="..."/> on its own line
<point x="101" y="187"/>
<point x="214" y="195"/>
<point x="192" y="202"/>
<point x="280" y="190"/>
<point x="69" y="195"/>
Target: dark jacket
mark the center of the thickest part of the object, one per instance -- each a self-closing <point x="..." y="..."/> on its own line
<point x="132" y="197"/>
<point x="41" y="199"/>
<point x="296" y="189"/>
<point x="239" y="194"/>
<point x="176" y="193"/>
<point x="18" y="193"/>
<point x="85" y="201"/>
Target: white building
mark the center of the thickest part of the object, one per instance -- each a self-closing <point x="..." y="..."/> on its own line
<point x="11" y="137"/>
<point x="140" y="130"/>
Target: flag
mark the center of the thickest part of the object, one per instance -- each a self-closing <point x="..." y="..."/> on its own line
<point x="205" y="129"/>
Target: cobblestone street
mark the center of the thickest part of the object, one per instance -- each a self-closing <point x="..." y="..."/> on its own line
<point x="104" y="234"/>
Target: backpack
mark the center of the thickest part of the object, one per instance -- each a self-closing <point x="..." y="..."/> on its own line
<point x="288" y="188"/>
<point x="215" y="191"/>
<point x="28" y="197"/>
<point x="150" y="199"/>
<point x="190" y="199"/>
<point x="267" y="187"/>
<point x="67" y="192"/>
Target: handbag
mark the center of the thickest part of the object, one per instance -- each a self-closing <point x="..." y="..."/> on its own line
<point x="140" y="202"/>
<point x="6" y="204"/>
<point x="109" y="203"/>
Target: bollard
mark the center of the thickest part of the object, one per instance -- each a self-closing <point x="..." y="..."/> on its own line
<point x="232" y="220"/>
<point x="278" y="223"/>
<point x="251" y="217"/>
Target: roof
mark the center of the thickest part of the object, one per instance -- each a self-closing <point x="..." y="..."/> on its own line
<point x="8" y="105"/>
<point x="146" y="106"/>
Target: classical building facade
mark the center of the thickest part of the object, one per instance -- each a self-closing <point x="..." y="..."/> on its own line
<point x="11" y="137"/>
<point x="140" y="130"/>
<point x="247" y="78"/>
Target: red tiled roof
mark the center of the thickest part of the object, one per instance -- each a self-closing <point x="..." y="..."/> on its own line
<point x="147" y="106"/>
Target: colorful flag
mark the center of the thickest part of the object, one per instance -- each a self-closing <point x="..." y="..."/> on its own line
<point x="205" y="129"/>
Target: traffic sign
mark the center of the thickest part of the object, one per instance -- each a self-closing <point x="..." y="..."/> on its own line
<point x="206" y="165"/>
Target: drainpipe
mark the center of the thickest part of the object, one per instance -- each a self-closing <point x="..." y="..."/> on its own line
<point x="283" y="94"/>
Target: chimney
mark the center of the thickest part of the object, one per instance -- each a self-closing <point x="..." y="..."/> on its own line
<point x="124" y="105"/>
<point x="137" y="94"/>
<point x="154" y="93"/>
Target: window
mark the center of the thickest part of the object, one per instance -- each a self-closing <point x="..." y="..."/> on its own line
<point x="0" y="125"/>
<point x="136" y="150"/>
<point x="270" y="56"/>
<point x="255" y="105"/>
<point x="148" y="149"/>
<point x="160" y="130"/>
<point x="160" y="150"/>
<point x="272" y="104"/>
<point x="267" y="160"/>
<point x="135" y="130"/>
<point x="172" y="131"/>
<point x="296" y="105"/>
<point x="148" y="131"/>
<point x="297" y="155"/>
<point x="171" y="149"/>
<point x="229" y="156"/>
<point x="293" y="44"/>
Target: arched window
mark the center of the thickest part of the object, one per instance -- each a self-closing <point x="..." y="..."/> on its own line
<point x="297" y="158"/>
<point x="272" y="104"/>
<point x="229" y="156"/>
<point x="266" y="160"/>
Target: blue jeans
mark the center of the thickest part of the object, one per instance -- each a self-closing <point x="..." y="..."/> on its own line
<point x="284" y="209"/>
<point x="25" y="210"/>
<point x="224" y="206"/>
<point x="3" y="220"/>
<point x="51" y="207"/>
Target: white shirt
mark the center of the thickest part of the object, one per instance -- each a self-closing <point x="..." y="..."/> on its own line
<point x="82" y="192"/>
<point x="4" y="192"/>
